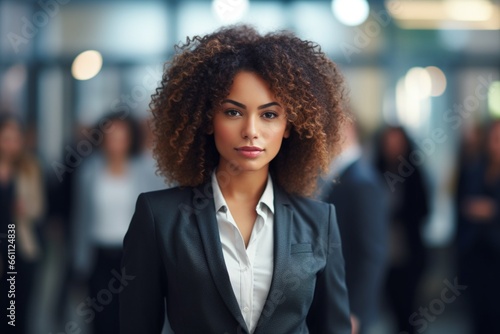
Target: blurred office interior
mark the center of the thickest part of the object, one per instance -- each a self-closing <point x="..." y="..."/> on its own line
<point x="430" y="66"/>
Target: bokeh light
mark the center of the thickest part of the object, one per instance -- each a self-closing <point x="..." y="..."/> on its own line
<point x="438" y="80"/>
<point x="418" y="82"/>
<point x="230" y="11"/>
<point x="351" y="12"/>
<point x="86" y="65"/>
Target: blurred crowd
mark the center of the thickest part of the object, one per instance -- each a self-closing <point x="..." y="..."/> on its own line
<point x="70" y="222"/>
<point x="83" y="208"/>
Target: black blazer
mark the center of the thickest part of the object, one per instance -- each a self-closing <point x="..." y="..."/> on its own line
<point x="173" y="251"/>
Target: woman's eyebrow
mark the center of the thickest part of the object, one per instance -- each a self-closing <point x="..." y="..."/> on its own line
<point x="241" y="105"/>
<point x="269" y="105"/>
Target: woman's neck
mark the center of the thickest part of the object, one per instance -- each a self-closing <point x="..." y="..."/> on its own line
<point x="244" y="186"/>
<point x="117" y="165"/>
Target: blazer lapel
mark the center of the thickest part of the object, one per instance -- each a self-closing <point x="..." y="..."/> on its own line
<point x="207" y="224"/>
<point x="283" y="216"/>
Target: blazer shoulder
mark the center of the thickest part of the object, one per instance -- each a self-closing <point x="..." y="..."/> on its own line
<point x="313" y="203"/>
<point x="167" y="198"/>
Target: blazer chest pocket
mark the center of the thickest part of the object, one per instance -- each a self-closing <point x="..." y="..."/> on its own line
<point x="301" y="248"/>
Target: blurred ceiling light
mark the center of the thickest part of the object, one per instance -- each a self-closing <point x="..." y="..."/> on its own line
<point x="230" y="11"/>
<point x="494" y="99"/>
<point x="447" y="14"/>
<point x="438" y="80"/>
<point x="418" y="83"/>
<point x="468" y="10"/>
<point x="86" y="65"/>
<point x="351" y="12"/>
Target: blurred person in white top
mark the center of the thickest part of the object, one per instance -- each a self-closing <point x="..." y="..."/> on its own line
<point x="107" y="184"/>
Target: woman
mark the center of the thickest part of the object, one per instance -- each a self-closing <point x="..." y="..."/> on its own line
<point x="22" y="206"/>
<point x="408" y="209"/>
<point x="244" y="123"/>
<point x="479" y="233"/>
<point x="107" y="185"/>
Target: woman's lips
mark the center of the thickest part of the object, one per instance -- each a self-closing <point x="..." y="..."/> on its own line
<point x="250" y="151"/>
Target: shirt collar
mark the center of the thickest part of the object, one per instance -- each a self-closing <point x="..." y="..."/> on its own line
<point x="266" y="199"/>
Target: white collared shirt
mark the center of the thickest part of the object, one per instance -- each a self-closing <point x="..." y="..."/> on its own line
<point x="250" y="269"/>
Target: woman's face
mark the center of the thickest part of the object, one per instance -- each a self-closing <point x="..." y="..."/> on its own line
<point x="11" y="141"/>
<point x="250" y="124"/>
<point x="117" y="140"/>
<point x="394" y="144"/>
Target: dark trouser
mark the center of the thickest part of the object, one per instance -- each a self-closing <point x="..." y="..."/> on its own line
<point x="401" y="286"/>
<point x="106" y="304"/>
<point x="480" y="269"/>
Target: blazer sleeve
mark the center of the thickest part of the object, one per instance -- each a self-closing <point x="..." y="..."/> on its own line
<point x="329" y="312"/>
<point x="142" y="307"/>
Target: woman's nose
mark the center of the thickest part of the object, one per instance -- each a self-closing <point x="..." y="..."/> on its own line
<point x="250" y="128"/>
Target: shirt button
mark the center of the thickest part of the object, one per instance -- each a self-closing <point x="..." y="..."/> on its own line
<point x="246" y="309"/>
<point x="244" y="269"/>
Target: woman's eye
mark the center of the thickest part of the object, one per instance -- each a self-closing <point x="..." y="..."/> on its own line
<point x="232" y="112"/>
<point x="270" y="115"/>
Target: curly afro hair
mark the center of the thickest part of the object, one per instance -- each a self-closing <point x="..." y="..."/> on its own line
<point x="200" y="76"/>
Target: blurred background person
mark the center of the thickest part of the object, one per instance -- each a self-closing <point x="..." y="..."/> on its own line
<point x="471" y="149"/>
<point x="22" y="204"/>
<point x="409" y="207"/>
<point x="478" y="203"/>
<point x="106" y="186"/>
<point x="361" y="203"/>
<point x="60" y="205"/>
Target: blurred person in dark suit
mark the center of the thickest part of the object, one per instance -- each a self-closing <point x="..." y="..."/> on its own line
<point x="106" y="186"/>
<point x="478" y="234"/>
<point x="21" y="205"/>
<point x="408" y="209"/>
<point x="356" y="189"/>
